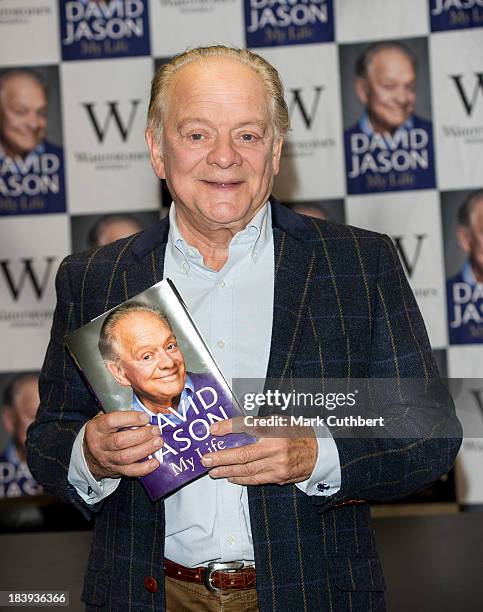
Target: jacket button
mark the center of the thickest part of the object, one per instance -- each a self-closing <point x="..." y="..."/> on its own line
<point x="150" y="584"/>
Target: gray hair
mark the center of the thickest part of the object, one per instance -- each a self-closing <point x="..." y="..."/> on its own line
<point x="268" y="74"/>
<point x="364" y="62"/>
<point x="107" y="338"/>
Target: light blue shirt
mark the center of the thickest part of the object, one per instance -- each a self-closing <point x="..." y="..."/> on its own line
<point x="208" y="519"/>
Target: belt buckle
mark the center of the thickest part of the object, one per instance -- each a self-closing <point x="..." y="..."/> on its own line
<point x="214" y="566"/>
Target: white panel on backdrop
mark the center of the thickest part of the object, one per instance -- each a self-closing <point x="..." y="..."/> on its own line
<point x="367" y="20"/>
<point x="179" y="24"/>
<point x="466" y="363"/>
<point x="105" y="103"/>
<point x="414" y="224"/>
<point x="457" y="82"/>
<point x="312" y="157"/>
<point x="30" y="252"/>
<point x="29" y="32"/>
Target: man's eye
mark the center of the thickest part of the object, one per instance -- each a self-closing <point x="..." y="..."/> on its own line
<point x="196" y="137"/>
<point x="147" y="357"/>
<point x="172" y="346"/>
<point x="249" y="137"/>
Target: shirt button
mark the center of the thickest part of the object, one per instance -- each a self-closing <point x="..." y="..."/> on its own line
<point x="186" y="266"/>
<point x="221" y="284"/>
<point x="191" y="252"/>
<point x="221" y="344"/>
<point x="230" y="540"/>
<point x="255" y="255"/>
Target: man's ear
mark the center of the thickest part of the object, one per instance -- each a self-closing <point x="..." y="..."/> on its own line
<point x="117" y="373"/>
<point x="463" y="235"/>
<point x="361" y="89"/>
<point x="277" y="152"/>
<point x="155" y="152"/>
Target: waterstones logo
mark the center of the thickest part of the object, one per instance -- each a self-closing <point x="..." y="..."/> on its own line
<point x="111" y="116"/>
<point x="455" y="14"/>
<point x="288" y="22"/>
<point x="305" y="109"/>
<point x="409" y="255"/>
<point x="467" y="94"/>
<point x="97" y="29"/>
<point x="27" y="272"/>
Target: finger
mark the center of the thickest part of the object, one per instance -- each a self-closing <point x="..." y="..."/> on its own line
<point x="230" y="456"/>
<point x="142" y="468"/>
<point x="112" y="421"/>
<point x="132" y="454"/>
<point x="244" y="470"/>
<point x="129" y="437"/>
<point x="221" y="428"/>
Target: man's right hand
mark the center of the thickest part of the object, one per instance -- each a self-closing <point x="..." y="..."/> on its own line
<point x="111" y="453"/>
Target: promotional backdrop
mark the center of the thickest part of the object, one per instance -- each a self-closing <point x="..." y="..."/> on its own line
<point x="386" y="137"/>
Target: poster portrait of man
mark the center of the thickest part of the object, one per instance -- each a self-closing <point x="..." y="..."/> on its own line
<point x="463" y="217"/>
<point x="388" y="144"/>
<point x="31" y="160"/>
<point x="19" y="403"/>
<point x="91" y="231"/>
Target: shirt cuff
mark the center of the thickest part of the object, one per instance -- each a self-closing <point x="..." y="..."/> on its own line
<point x="326" y="477"/>
<point x="91" y="490"/>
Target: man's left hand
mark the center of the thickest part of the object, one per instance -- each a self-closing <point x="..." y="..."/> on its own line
<point x="269" y="460"/>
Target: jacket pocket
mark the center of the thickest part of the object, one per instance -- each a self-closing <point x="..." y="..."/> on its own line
<point x="357" y="573"/>
<point x="96" y="587"/>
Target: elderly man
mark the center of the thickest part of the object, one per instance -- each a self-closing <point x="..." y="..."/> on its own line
<point x="31" y="168"/>
<point x="277" y="296"/>
<point x="389" y="148"/>
<point x="465" y="289"/>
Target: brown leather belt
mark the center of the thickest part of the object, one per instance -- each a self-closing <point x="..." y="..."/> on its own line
<point x="216" y="577"/>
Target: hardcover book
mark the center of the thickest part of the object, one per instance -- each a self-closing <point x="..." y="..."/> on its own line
<point x="147" y="355"/>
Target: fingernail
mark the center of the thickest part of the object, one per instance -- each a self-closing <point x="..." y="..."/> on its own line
<point x="207" y="461"/>
<point x="143" y="418"/>
<point x="214" y="428"/>
<point x="155" y="430"/>
<point x="157" y="442"/>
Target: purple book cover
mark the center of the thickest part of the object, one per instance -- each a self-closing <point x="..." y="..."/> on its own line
<point x="146" y="354"/>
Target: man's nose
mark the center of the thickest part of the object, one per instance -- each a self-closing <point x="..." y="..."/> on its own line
<point x="164" y="360"/>
<point x="34" y="121"/>
<point x="224" y="153"/>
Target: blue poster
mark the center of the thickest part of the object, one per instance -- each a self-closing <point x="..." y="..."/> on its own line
<point x="385" y="161"/>
<point x="465" y="307"/>
<point x="455" y="14"/>
<point x="269" y="23"/>
<point x="96" y="29"/>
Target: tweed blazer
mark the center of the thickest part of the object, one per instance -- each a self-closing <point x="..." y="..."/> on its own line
<point x="342" y="309"/>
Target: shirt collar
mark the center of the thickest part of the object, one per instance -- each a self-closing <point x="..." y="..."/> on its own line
<point x="39" y="150"/>
<point x="253" y="238"/>
<point x="366" y="125"/>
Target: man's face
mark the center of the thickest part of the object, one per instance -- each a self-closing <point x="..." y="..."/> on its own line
<point x="117" y="229"/>
<point x="471" y="239"/>
<point x="389" y="90"/>
<point x="219" y="154"/>
<point x="21" y="414"/>
<point x="23" y="115"/>
<point x="150" y="360"/>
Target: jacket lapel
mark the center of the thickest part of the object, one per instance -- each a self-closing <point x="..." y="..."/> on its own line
<point x="294" y="269"/>
<point x="146" y="266"/>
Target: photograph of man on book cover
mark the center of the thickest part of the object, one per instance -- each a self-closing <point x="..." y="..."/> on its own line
<point x="139" y="348"/>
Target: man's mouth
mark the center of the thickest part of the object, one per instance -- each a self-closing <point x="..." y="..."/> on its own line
<point x="224" y="185"/>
